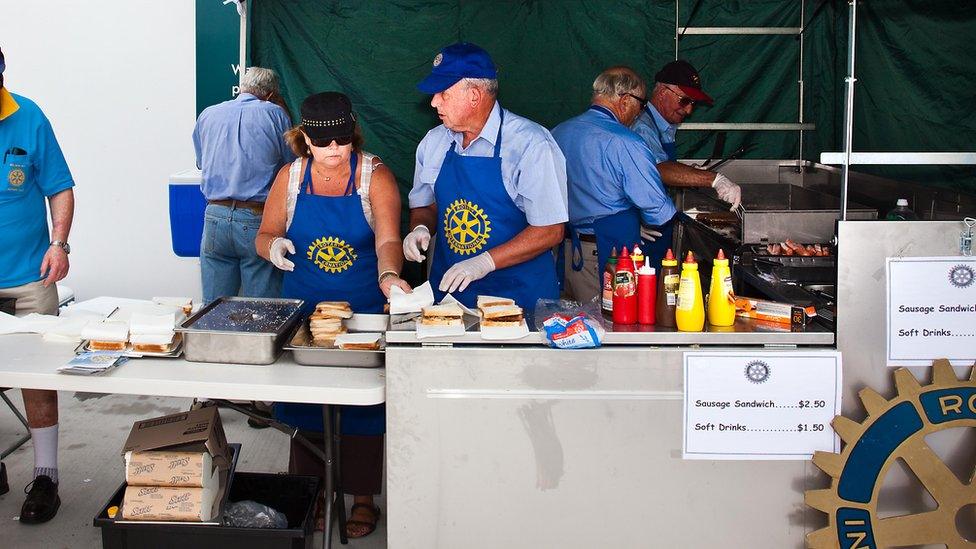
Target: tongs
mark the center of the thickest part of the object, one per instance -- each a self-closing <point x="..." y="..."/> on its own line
<point x="732" y="156"/>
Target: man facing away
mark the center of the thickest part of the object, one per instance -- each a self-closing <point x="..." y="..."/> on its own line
<point x="240" y="147"/>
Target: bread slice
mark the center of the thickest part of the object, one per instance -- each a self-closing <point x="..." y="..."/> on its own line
<point x="492" y="301"/>
<point x="449" y="314"/>
<point x="335" y="309"/>
<point x="441" y="321"/>
<point x="95" y="345"/>
<point x="358" y="342"/>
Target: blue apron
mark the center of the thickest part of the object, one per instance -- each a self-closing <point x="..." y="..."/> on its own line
<point x="335" y="260"/>
<point x="656" y="250"/>
<point x="476" y="214"/>
<point x="612" y="231"/>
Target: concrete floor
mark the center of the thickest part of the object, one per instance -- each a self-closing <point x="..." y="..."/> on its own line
<point x="92" y="431"/>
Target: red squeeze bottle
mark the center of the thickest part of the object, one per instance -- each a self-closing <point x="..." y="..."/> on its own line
<point x="624" y="291"/>
<point x="646" y="293"/>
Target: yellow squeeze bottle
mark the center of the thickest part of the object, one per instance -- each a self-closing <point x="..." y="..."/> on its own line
<point x="721" y="297"/>
<point x="690" y="312"/>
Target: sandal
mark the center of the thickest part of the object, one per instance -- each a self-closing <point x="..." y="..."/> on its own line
<point x="370" y="527"/>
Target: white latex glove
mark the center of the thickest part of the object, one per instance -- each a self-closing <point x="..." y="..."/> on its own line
<point x="649" y="234"/>
<point x="279" y="247"/>
<point x="465" y="272"/>
<point x="415" y="243"/>
<point x="727" y="191"/>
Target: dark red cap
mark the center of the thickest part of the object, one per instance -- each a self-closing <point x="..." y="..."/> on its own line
<point x="680" y="73"/>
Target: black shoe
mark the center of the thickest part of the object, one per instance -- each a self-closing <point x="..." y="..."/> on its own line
<point x="42" y="501"/>
<point x="4" y="487"/>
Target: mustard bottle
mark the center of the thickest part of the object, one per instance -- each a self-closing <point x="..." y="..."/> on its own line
<point x="721" y="297"/>
<point x="690" y="312"/>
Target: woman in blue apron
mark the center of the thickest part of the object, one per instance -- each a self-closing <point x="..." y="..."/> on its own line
<point x="477" y="214"/>
<point x="342" y="244"/>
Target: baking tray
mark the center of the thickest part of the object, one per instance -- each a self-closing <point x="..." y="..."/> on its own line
<point x="240" y="330"/>
<point x="131" y="353"/>
<point x="311" y="355"/>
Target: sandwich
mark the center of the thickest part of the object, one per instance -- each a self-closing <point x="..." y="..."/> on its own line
<point x="492" y="301"/>
<point x="333" y="309"/>
<point x="450" y="314"/>
<point x="106" y="335"/>
<point x="501" y="315"/>
<point x="152" y="343"/>
<point x="358" y="342"/>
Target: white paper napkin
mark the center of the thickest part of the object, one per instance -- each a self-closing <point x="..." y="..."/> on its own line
<point x="402" y="302"/>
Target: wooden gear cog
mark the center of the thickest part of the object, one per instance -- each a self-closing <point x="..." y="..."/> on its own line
<point x="896" y="429"/>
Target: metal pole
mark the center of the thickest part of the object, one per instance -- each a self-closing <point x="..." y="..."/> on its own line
<point x="848" y="108"/>
<point x="676" y="29"/>
<point x="799" y="153"/>
<point x="243" y="40"/>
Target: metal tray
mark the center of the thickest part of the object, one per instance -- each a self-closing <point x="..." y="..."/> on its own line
<point x="310" y="355"/>
<point x="132" y="353"/>
<point x="240" y="330"/>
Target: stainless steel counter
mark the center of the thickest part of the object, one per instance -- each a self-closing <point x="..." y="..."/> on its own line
<point x="744" y="332"/>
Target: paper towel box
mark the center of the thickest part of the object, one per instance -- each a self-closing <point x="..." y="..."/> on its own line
<point x="194" y="431"/>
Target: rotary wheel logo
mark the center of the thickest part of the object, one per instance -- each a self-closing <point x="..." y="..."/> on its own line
<point x="961" y="276"/>
<point x="466" y="227"/>
<point x="16" y="177"/>
<point x="757" y="371"/>
<point x="895" y="430"/>
<point x="331" y="254"/>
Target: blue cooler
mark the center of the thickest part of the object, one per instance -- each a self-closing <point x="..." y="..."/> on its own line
<point x="186" y="209"/>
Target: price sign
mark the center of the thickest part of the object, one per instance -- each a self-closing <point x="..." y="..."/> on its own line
<point x="931" y="310"/>
<point x="761" y="405"/>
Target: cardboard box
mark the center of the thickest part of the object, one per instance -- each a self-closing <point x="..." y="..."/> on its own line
<point x="170" y="503"/>
<point x="791" y="315"/>
<point x="166" y="468"/>
<point x="193" y="431"/>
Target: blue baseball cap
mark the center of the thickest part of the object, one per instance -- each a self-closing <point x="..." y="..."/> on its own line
<point x="457" y="61"/>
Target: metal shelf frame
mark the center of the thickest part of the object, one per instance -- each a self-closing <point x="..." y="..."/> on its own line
<point x="800" y="126"/>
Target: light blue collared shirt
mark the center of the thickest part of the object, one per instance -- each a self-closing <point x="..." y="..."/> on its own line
<point x="655" y="130"/>
<point x="610" y="169"/>
<point x="533" y="168"/>
<point x="240" y="147"/>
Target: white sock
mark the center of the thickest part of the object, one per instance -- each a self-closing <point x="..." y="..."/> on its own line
<point x="45" y="441"/>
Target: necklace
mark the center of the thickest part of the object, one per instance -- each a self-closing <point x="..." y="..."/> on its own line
<point x="321" y="171"/>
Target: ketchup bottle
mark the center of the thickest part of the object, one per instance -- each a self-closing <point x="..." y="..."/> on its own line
<point x="646" y="293"/>
<point x="624" y="291"/>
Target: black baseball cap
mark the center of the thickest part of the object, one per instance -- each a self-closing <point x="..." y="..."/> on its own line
<point x="680" y="73"/>
<point x="328" y="115"/>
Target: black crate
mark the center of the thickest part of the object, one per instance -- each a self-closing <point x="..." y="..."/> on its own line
<point x="293" y="495"/>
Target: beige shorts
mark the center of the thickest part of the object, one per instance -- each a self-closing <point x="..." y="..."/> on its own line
<point x="33" y="298"/>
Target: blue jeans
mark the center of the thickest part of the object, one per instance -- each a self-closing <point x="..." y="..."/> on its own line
<point x="229" y="263"/>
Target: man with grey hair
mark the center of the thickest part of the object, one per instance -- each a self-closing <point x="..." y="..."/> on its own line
<point x="614" y="184"/>
<point x="491" y="185"/>
<point x="240" y="148"/>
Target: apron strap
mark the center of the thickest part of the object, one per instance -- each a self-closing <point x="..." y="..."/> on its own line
<point x="307" y="177"/>
<point x="351" y="184"/>
<point x="498" y="138"/>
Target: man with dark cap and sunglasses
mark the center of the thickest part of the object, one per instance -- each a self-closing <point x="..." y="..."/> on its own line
<point x="489" y="184"/>
<point x="33" y="168"/>
<point x="677" y="90"/>
<point x="240" y="146"/>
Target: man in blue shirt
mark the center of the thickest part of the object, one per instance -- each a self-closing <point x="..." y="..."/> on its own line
<point x="677" y="89"/>
<point x="32" y="261"/>
<point x="491" y="185"/>
<point x="614" y="186"/>
<point x="240" y="148"/>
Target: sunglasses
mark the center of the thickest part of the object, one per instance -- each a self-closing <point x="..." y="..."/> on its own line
<point x="641" y="100"/>
<point x="326" y="141"/>
<point x="683" y="100"/>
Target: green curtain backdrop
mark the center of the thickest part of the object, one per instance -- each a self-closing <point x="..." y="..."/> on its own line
<point x="915" y="62"/>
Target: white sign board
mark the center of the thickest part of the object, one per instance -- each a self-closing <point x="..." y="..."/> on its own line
<point x="760" y="405"/>
<point x="931" y="310"/>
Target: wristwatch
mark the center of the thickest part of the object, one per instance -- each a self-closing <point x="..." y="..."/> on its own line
<point x="63" y="245"/>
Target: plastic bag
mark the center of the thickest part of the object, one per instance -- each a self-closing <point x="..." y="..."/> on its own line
<point x="251" y="514"/>
<point x="570" y="324"/>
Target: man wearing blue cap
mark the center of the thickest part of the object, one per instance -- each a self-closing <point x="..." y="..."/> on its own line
<point x="491" y="185"/>
<point x="32" y="168"/>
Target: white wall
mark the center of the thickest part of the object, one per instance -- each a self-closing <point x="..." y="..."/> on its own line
<point x="116" y="78"/>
